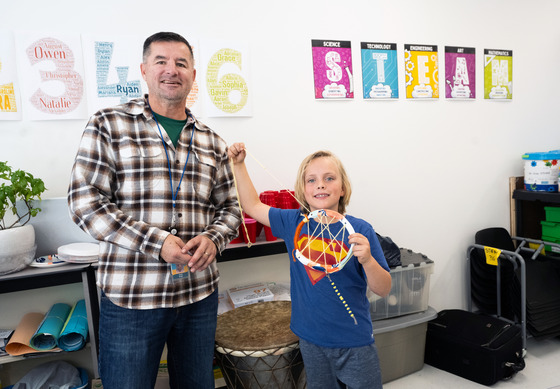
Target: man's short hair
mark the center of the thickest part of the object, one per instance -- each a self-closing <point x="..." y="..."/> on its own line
<point x="163" y="37"/>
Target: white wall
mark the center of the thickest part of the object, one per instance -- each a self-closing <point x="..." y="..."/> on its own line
<point x="427" y="173"/>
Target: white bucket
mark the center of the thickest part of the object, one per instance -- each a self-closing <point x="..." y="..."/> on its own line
<point x="541" y="171"/>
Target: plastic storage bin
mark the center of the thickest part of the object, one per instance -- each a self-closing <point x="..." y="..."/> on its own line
<point x="410" y="288"/>
<point x="552" y="214"/>
<point x="401" y="342"/>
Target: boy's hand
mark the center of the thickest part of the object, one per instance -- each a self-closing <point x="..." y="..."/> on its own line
<point x="361" y="250"/>
<point x="237" y="152"/>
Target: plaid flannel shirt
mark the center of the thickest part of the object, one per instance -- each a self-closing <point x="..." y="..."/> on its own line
<point x="120" y="194"/>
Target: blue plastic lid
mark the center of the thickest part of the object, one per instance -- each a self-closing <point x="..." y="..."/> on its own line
<point x="542" y="156"/>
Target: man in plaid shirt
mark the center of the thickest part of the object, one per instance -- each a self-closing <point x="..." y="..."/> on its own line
<point x="153" y="185"/>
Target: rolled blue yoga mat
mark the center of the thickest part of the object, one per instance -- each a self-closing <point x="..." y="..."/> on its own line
<point x="46" y="336"/>
<point x="74" y="334"/>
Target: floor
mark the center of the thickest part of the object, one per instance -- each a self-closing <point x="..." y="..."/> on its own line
<point x="542" y="371"/>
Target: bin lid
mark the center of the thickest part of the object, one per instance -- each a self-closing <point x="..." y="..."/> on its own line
<point x="404" y="321"/>
<point x="539" y="156"/>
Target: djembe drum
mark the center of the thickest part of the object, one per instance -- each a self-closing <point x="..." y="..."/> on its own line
<point x="255" y="347"/>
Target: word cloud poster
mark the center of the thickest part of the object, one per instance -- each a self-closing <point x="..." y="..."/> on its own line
<point x="112" y="66"/>
<point x="421" y="71"/>
<point x="498" y="74"/>
<point x="226" y="74"/>
<point x="460" y="65"/>
<point x="10" y="100"/>
<point x="379" y="70"/>
<point x="332" y="69"/>
<point x="53" y="87"/>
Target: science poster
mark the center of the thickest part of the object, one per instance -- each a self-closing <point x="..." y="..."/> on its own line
<point x="421" y="71"/>
<point x="112" y="68"/>
<point x="225" y="73"/>
<point x="53" y="87"/>
<point x="498" y="74"/>
<point x="332" y="69"/>
<point x="10" y="100"/>
<point x="379" y="70"/>
<point x="460" y="66"/>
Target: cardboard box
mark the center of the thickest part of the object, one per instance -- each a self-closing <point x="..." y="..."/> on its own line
<point x="250" y="294"/>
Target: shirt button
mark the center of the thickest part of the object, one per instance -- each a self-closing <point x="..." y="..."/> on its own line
<point x="180" y="215"/>
<point x="177" y="162"/>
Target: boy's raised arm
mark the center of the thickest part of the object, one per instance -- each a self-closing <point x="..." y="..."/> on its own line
<point x="248" y="195"/>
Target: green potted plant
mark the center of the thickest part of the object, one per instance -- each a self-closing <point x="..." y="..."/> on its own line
<point x="17" y="238"/>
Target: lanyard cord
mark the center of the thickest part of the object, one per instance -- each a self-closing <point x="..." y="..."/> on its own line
<point x="176" y="193"/>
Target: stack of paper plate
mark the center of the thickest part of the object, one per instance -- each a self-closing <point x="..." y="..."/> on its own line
<point x="79" y="252"/>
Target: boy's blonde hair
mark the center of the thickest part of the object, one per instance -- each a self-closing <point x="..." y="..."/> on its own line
<point x="300" y="180"/>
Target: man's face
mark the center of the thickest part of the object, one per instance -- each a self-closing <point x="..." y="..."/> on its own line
<point x="169" y="72"/>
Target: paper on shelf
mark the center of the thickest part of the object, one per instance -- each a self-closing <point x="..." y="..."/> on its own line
<point x="19" y="343"/>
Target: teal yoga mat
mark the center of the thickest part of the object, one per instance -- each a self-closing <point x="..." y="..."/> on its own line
<point x="46" y="336"/>
<point x="75" y="331"/>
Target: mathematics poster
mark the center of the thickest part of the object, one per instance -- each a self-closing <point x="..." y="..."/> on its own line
<point x="498" y="74"/>
<point x="332" y="69"/>
<point x="460" y="66"/>
<point x="53" y="87"/>
<point x="421" y="71"/>
<point x="379" y="70"/>
<point x="225" y="72"/>
<point x="10" y="100"/>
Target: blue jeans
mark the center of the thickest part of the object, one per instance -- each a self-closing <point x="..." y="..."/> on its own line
<point x="131" y="342"/>
<point x="338" y="368"/>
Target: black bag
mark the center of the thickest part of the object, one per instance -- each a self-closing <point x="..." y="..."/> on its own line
<point x="474" y="346"/>
<point x="390" y="250"/>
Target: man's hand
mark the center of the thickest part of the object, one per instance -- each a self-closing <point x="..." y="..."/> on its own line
<point x="203" y="252"/>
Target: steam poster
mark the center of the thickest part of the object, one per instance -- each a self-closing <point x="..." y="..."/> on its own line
<point x="332" y="69"/>
<point x="498" y="74"/>
<point x="421" y="71"/>
<point x="460" y="68"/>
<point x="379" y="70"/>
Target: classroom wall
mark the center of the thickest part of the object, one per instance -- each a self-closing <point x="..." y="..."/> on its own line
<point x="426" y="173"/>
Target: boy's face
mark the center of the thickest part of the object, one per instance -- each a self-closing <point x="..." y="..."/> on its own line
<point x="323" y="184"/>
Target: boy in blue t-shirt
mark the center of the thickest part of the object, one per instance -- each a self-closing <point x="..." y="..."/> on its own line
<point x="330" y="312"/>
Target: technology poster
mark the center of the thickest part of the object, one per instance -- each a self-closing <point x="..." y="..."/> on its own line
<point x="53" y="87"/>
<point x="10" y="100"/>
<point x="498" y="74"/>
<point x="379" y="70"/>
<point x="332" y="69"/>
<point x="460" y="68"/>
<point x="225" y="72"/>
<point x="421" y="71"/>
<point x="112" y="68"/>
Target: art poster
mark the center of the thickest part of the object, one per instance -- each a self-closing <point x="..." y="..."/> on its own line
<point x="460" y="66"/>
<point x="498" y="74"/>
<point x="10" y="99"/>
<point x="332" y="69"/>
<point x="225" y="78"/>
<point x="380" y="70"/>
<point x="421" y="71"/>
<point x="53" y="87"/>
<point x="112" y="69"/>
